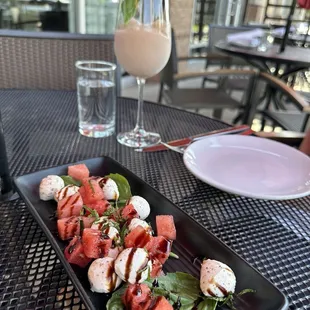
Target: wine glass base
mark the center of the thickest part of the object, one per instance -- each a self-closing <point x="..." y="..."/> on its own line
<point x="138" y="139"/>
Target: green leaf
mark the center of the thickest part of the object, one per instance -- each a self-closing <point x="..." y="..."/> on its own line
<point x="245" y="291"/>
<point x="186" y="303"/>
<point x="129" y="8"/>
<point x="123" y="232"/>
<point x="93" y="213"/>
<point x="109" y="211"/>
<point x="70" y="181"/>
<point x="207" y="304"/>
<point x="176" y="286"/>
<point x="81" y="227"/>
<point x="182" y="284"/>
<point x="115" y="302"/>
<point x="122" y="184"/>
<point x="173" y="255"/>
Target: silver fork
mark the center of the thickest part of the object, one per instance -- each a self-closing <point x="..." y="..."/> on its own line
<point x="179" y="149"/>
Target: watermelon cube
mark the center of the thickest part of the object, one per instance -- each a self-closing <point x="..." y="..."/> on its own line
<point x="70" y="226"/>
<point x="100" y="206"/>
<point x="137" y="297"/>
<point x="137" y="238"/>
<point x="95" y="243"/>
<point x="129" y="212"/>
<point x="159" y="248"/>
<point x="69" y="206"/>
<point x="156" y="268"/>
<point x="74" y="253"/>
<point x="165" y="226"/>
<point x="78" y="172"/>
<point x="161" y="303"/>
<point x="92" y="191"/>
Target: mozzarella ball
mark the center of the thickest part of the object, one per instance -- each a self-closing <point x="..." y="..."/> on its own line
<point x="49" y="186"/>
<point x="137" y="222"/>
<point x="65" y="192"/>
<point x="133" y="265"/>
<point x="216" y="279"/>
<point x="98" y="224"/>
<point x="141" y="206"/>
<point x="109" y="188"/>
<point x="102" y="277"/>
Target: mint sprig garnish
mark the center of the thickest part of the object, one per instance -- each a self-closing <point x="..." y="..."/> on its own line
<point x="129" y="8"/>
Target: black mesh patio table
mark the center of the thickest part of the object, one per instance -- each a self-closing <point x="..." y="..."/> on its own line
<point x="41" y="131"/>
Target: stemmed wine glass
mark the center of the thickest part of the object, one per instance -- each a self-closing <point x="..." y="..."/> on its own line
<point x="142" y="46"/>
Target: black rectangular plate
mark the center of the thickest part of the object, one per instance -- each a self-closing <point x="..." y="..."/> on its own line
<point x="193" y="240"/>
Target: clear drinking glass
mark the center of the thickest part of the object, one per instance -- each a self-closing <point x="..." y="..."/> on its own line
<point x="266" y="42"/>
<point x="96" y="98"/>
<point x="142" y="46"/>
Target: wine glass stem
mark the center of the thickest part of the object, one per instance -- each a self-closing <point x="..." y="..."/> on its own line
<point x="139" y="125"/>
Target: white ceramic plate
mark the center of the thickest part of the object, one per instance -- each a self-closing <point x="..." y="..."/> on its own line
<point x="250" y="166"/>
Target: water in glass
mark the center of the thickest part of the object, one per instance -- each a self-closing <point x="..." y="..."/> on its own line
<point x="96" y="98"/>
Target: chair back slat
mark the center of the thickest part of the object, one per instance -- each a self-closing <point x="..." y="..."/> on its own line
<point x="30" y="60"/>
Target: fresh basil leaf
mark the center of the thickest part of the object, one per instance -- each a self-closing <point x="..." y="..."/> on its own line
<point x="186" y="303"/>
<point x="129" y="8"/>
<point x="207" y="304"/>
<point x="177" y="285"/>
<point x="122" y="184"/>
<point x="70" y="181"/>
<point x="115" y="302"/>
<point x="182" y="284"/>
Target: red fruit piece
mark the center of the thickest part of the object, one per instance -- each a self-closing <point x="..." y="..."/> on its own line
<point x="137" y="238"/>
<point x="96" y="244"/>
<point x="100" y="206"/>
<point x="74" y="253"/>
<point x="70" y="226"/>
<point x="159" y="248"/>
<point x="160" y="303"/>
<point x="82" y="192"/>
<point x="156" y="268"/>
<point x="165" y="226"/>
<point x="137" y="297"/>
<point x="70" y="206"/>
<point x="129" y="212"/>
<point x="78" y="172"/>
<point x="92" y="192"/>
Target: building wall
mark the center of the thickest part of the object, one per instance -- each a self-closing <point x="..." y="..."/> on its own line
<point x="181" y="14"/>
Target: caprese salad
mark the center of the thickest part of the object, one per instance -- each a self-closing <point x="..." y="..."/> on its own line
<point x="107" y="232"/>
